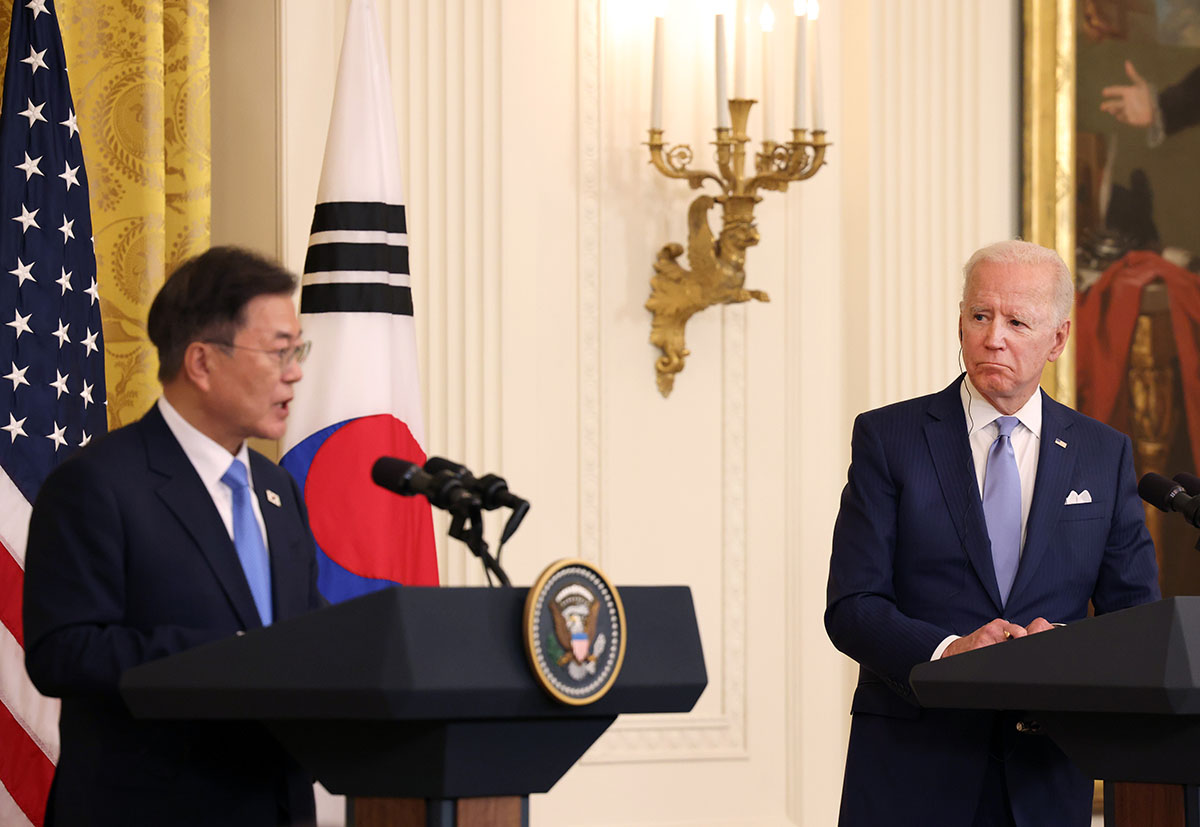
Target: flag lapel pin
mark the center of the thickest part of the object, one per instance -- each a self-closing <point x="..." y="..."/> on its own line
<point x="1060" y="443"/>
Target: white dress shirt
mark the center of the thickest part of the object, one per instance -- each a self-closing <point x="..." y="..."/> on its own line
<point x="1026" y="438"/>
<point x="211" y="461"/>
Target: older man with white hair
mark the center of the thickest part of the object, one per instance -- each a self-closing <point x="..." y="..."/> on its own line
<point x="981" y="513"/>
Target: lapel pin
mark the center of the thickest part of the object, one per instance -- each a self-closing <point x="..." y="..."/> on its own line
<point x="273" y="498"/>
<point x="1057" y="442"/>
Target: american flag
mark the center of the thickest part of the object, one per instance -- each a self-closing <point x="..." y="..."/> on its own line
<point x="52" y="397"/>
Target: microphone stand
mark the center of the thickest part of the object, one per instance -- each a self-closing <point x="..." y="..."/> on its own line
<point x="472" y="535"/>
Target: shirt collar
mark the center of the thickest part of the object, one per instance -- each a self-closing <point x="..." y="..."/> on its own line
<point x="980" y="413"/>
<point x="210" y="460"/>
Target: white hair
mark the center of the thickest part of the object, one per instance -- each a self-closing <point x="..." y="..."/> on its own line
<point x="1027" y="253"/>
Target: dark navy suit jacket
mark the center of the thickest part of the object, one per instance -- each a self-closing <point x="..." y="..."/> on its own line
<point x="912" y="564"/>
<point x="128" y="561"/>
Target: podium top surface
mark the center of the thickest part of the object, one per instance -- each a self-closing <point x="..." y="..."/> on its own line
<point x="1143" y="660"/>
<point x="413" y="653"/>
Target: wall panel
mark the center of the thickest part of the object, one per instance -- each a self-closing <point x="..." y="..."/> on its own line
<point x="534" y="220"/>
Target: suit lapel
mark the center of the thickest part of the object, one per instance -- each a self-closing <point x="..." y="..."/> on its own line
<point x="186" y="497"/>
<point x="950" y="450"/>
<point x="289" y="575"/>
<point x="1055" y="464"/>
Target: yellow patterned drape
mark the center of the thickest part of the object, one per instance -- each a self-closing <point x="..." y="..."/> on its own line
<point x="140" y="80"/>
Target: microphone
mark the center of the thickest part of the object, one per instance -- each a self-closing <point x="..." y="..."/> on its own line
<point x="1190" y="483"/>
<point x="1168" y="495"/>
<point x="492" y="490"/>
<point x="443" y="489"/>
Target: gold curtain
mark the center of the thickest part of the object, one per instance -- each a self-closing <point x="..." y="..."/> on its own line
<point x="140" y="81"/>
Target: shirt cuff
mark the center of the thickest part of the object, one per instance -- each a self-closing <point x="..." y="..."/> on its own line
<point x="941" y="649"/>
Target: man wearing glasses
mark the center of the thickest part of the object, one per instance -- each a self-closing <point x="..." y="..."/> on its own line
<point x="167" y="534"/>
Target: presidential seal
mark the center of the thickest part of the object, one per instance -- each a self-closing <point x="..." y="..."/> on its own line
<point x="574" y="632"/>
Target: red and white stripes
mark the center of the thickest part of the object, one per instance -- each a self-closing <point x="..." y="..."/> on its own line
<point x="28" y="720"/>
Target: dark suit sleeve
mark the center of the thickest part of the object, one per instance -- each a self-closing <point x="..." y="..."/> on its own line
<point x="1180" y="103"/>
<point x="862" y="617"/>
<point x="76" y="638"/>
<point x="1129" y="571"/>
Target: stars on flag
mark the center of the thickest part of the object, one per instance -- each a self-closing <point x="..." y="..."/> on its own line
<point x="27" y="219"/>
<point x="70" y="175"/>
<point x="30" y="167"/>
<point x="20" y="323"/>
<point x="33" y="113"/>
<point x="15" y="427"/>
<point x="23" y="272"/>
<point x="59" y="384"/>
<point x="17" y="375"/>
<point x="61" y="334"/>
<point x="36" y="60"/>
<point x="58" y="436"/>
<point x="52" y="396"/>
<point x="69" y="123"/>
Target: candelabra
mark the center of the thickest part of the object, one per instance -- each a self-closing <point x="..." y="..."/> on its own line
<point x="718" y="263"/>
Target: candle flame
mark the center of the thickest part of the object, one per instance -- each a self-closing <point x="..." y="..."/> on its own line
<point x="659" y="8"/>
<point x="814" y="9"/>
<point x="767" y="18"/>
<point x="800" y="7"/>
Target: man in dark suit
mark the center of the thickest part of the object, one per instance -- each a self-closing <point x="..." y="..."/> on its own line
<point x="984" y="512"/>
<point x="154" y="539"/>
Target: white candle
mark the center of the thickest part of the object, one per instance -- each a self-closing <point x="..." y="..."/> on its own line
<point x="818" y="119"/>
<point x="801" y="8"/>
<point x="656" y="88"/>
<point x="767" y="19"/>
<point x="739" y="52"/>
<point x="722" y="81"/>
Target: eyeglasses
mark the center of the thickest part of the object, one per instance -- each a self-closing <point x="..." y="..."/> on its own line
<point x="286" y="355"/>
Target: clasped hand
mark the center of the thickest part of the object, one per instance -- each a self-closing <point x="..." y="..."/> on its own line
<point x="996" y="631"/>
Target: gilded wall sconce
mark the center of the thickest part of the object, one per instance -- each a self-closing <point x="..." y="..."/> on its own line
<point x="717" y="262"/>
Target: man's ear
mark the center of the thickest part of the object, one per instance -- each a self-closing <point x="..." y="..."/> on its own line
<point x="1060" y="340"/>
<point x="198" y="364"/>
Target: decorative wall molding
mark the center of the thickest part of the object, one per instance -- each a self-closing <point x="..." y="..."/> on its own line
<point x="665" y="737"/>
<point x="588" y="56"/>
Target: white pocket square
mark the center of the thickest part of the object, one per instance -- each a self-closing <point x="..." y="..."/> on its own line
<point x="1078" y="497"/>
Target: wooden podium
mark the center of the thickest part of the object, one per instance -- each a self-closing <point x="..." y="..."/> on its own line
<point x="418" y="703"/>
<point x="1119" y="694"/>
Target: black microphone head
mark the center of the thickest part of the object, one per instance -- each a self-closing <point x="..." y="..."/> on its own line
<point x="1158" y="490"/>
<point x="1190" y="483"/>
<point x="435" y="465"/>
<point x="446" y="490"/>
<point x="395" y="474"/>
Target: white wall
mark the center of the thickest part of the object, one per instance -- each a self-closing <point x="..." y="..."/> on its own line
<point x="534" y="219"/>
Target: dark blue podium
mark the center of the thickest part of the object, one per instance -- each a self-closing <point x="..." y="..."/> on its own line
<point x="418" y="703"/>
<point x="1119" y="694"/>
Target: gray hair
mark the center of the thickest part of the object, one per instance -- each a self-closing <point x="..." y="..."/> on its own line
<point x="1027" y="253"/>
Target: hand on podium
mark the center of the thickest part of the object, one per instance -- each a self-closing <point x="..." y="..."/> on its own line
<point x="996" y="631"/>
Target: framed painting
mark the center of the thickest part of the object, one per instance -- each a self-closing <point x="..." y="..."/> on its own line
<point x="1111" y="173"/>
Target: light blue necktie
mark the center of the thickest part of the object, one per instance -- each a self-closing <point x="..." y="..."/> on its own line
<point x="1002" y="506"/>
<point x="247" y="538"/>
